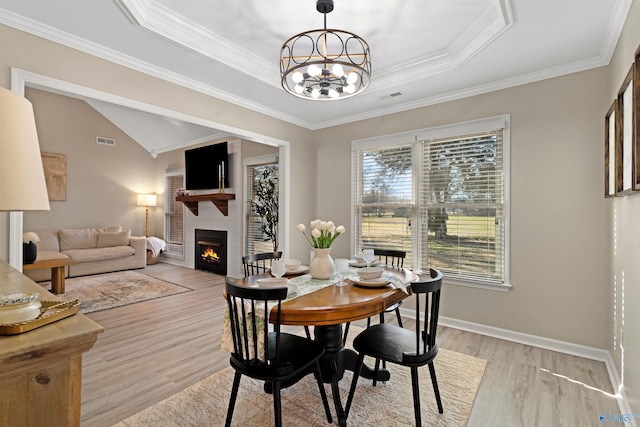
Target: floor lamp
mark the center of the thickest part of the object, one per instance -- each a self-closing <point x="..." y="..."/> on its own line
<point x="147" y="200"/>
<point x="22" y="183"/>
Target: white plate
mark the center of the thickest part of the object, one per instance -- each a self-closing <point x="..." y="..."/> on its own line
<point x="275" y="282"/>
<point x="370" y="283"/>
<point x="300" y="270"/>
<point x="362" y="264"/>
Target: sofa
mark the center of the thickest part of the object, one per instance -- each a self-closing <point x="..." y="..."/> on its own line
<point x="97" y="250"/>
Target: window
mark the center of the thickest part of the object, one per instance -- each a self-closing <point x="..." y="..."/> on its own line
<point x="256" y="240"/>
<point x="173" y="215"/>
<point x="384" y="203"/>
<point x="441" y="197"/>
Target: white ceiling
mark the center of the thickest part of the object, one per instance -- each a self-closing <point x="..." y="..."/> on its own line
<point x="430" y="51"/>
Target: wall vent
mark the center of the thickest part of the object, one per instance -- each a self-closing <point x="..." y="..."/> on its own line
<point x="105" y="141"/>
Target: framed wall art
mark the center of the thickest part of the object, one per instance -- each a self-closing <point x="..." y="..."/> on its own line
<point x="626" y="147"/>
<point x="55" y="175"/>
<point x="610" y="143"/>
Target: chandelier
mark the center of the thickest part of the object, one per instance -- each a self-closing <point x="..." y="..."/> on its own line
<point x="324" y="64"/>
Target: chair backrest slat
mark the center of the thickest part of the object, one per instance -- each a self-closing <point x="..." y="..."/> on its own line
<point x="258" y="263"/>
<point x="427" y="293"/>
<point x="247" y="328"/>
<point x="391" y="257"/>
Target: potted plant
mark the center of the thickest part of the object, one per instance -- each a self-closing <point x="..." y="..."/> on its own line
<point x="29" y="248"/>
<point x="266" y="202"/>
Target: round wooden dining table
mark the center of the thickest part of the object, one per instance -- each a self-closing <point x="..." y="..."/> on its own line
<point x="328" y="310"/>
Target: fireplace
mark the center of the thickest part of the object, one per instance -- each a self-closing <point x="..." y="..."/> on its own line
<point x="211" y="251"/>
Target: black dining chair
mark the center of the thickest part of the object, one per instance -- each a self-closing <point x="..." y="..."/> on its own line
<point x="390" y="258"/>
<point x="282" y="356"/>
<point x="258" y="263"/>
<point x="395" y="259"/>
<point x="405" y="347"/>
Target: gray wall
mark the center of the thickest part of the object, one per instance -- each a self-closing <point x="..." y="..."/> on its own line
<point x="102" y="181"/>
<point x="563" y="263"/>
<point x="557" y="209"/>
<point x="624" y="226"/>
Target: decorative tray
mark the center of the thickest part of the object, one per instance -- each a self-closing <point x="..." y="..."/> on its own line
<point x="50" y="311"/>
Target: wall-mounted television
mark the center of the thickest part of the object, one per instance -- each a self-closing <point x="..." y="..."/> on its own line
<point x="202" y="166"/>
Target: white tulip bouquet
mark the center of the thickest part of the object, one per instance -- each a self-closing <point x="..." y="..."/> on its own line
<point x="323" y="233"/>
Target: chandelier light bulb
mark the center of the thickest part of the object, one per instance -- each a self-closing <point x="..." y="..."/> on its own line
<point x="333" y="93"/>
<point x="315" y="94"/>
<point x="299" y="88"/>
<point x="337" y="70"/>
<point x="350" y="88"/>
<point x="314" y="70"/>
<point x="297" y="77"/>
<point x="352" y="78"/>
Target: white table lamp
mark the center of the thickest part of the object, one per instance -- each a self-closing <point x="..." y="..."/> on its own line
<point x="147" y="200"/>
<point x="22" y="183"/>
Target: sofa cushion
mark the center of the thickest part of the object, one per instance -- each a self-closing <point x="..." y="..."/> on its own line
<point x="115" y="238"/>
<point x="49" y="255"/>
<point x="85" y="238"/>
<point x="111" y="229"/>
<point x="48" y="241"/>
<point x="100" y="254"/>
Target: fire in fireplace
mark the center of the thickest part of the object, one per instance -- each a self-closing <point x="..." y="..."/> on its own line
<point x="211" y="251"/>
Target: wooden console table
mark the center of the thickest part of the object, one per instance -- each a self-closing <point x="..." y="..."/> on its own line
<point x="41" y="374"/>
<point x="221" y="200"/>
<point x="57" y="271"/>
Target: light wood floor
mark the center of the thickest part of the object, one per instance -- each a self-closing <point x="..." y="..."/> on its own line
<point x="156" y="348"/>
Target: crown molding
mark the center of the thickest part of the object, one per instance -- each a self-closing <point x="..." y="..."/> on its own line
<point x="46" y="32"/>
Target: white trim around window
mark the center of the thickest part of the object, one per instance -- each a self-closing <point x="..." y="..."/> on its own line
<point x="417" y="138"/>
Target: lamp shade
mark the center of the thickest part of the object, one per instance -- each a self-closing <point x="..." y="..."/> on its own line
<point x="22" y="183"/>
<point x="147" y="199"/>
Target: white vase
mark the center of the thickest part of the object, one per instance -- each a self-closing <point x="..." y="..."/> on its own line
<point x="322" y="266"/>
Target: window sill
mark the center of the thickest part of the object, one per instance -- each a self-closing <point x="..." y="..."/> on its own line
<point x="478" y="285"/>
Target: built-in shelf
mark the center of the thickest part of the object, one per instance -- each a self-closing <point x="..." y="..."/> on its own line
<point x="221" y="200"/>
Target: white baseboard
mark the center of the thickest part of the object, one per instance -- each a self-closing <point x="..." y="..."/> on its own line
<point x="548" y="344"/>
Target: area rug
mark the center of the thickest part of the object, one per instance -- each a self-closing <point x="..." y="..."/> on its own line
<point x="109" y="290"/>
<point x="389" y="403"/>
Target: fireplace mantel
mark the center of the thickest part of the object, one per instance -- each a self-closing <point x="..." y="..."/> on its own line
<point x="221" y="200"/>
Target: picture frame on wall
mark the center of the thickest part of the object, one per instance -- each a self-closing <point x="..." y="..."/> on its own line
<point x="625" y="135"/>
<point x="610" y="144"/>
<point x="636" y="116"/>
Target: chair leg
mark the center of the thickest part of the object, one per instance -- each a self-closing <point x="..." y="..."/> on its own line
<point x="323" y="393"/>
<point x="306" y="330"/>
<point x="346" y="332"/>
<point x="232" y="400"/>
<point x="376" y="369"/>
<point x="416" y="396"/>
<point x="354" y="382"/>
<point x="399" y="318"/>
<point x="277" y="404"/>
<point x="436" y="391"/>
<point x="335" y="389"/>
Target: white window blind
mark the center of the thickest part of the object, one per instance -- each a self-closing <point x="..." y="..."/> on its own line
<point x="255" y="239"/>
<point x="462" y="194"/>
<point x="174" y="215"/>
<point x="384" y="201"/>
<point x="442" y="198"/>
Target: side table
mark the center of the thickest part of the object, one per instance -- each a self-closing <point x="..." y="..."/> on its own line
<point x="57" y="271"/>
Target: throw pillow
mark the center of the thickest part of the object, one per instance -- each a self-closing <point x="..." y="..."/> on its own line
<point x="115" y="238"/>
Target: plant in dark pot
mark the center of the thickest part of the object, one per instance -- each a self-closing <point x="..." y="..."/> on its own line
<point x="29" y="248"/>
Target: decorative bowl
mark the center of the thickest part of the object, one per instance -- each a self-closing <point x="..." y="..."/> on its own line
<point x="369" y="273"/>
<point x="17" y="308"/>
<point x="291" y="264"/>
